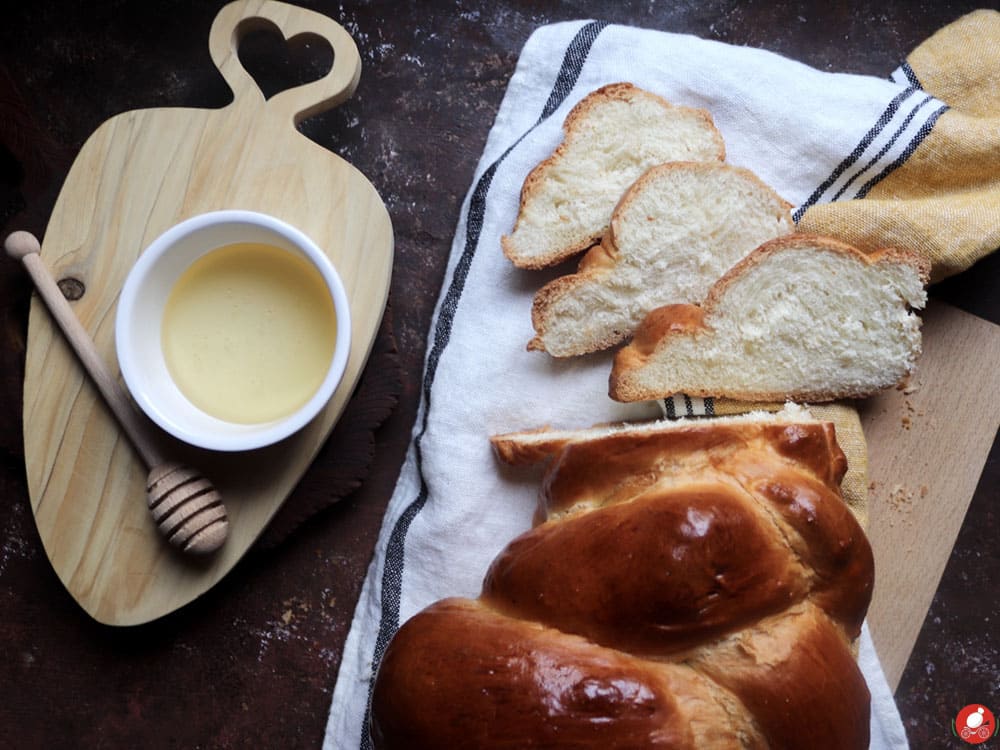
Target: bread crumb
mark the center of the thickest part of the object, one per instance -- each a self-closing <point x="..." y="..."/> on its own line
<point x="906" y="423"/>
<point x="901" y="499"/>
<point x="908" y="386"/>
<point x="287" y="616"/>
<point x="923" y="490"/>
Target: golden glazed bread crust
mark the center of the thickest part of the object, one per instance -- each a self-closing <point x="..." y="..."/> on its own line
<point x="664" y="323"/>
<point x="794" y="675"/>
<point x="602" y="258"/>
<point x="691" y="588"/>
<point x="616" y="467"/>
<point x="624" y="91"/>
<point x="693" y="581"/>
<point x="459" y="675"/>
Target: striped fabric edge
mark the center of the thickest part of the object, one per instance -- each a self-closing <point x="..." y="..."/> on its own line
<point x="904" y="75"/>
<point x="392" y="571"/>
<point x="680" y="406"/>
<point x="892" y="138"/>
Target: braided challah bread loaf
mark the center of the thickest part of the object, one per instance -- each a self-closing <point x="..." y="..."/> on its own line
<point x="686" y="586"/>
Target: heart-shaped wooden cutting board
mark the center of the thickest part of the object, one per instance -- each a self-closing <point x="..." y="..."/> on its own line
<point x="138" y="174"/>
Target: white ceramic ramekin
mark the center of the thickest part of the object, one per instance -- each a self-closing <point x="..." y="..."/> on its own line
<point x="140" y="313"/>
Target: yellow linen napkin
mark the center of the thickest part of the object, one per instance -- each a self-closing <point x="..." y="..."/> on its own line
<point x="943" y="200"/>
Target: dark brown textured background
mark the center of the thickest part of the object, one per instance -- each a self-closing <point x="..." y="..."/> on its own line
<point x="253" y="663"/>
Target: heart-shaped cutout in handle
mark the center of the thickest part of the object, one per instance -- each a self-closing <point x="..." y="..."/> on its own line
<point x="300" y="26"/>
<point x="277" y="64"/>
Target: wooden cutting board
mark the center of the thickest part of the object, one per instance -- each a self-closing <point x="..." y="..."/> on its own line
<point x="138" y="174"/>
<point x="927" y="445"/>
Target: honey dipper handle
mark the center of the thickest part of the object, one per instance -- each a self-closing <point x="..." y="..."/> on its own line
<point x="24" y="246"/>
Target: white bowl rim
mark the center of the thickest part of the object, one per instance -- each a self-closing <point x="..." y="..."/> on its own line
<point x="244" y="437"/>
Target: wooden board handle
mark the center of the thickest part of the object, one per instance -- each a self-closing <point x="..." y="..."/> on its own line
<point x="237" y="19"/>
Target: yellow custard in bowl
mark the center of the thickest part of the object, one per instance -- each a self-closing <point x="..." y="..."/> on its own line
<point x="248" y="332"/>
<point x="233" y="330"/>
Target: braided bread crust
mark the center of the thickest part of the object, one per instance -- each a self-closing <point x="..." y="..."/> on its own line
<point x="695" y="587"/>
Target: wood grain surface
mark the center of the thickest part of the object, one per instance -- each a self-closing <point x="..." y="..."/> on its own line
<point x="140" y="173"/>
<point x="919" y="493"/>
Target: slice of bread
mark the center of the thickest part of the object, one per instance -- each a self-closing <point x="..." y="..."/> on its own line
<point x="528" y="447"/>
<point x="804" y="318"/>
<point x="675" y="232"/>
<point x="611" y="137"/>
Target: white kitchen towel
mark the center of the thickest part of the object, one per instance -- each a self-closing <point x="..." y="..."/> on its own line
<point x="809" y="134"/>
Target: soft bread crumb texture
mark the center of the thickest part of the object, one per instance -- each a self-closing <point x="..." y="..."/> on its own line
<point x="677" y="230"/>
<point x="803" y="318"/>
<point x="611" y="137"/>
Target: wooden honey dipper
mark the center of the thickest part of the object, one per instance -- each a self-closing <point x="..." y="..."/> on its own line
<point x="187" y="509"/>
